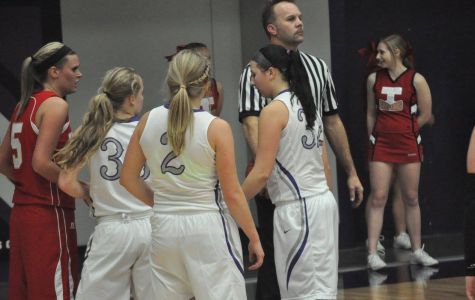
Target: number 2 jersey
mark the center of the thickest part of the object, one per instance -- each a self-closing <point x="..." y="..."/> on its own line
<point x="189" y="182"/>
<point x="105" y="166"/>
<point x="30" y="187"/>
<point x="298" y="169"/>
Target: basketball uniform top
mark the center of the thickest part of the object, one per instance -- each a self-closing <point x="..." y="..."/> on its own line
<point x="30" y="187"/>
<point x="396" y="103"/>
<point x="187" y="183"/>
<point x="298" y="170"/>
<point x="105" y="167"/>
<point x="211" y="98"/>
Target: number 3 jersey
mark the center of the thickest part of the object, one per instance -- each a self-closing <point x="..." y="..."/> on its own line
<point x="105" y="166"/>
<point x="298" y="169"/>
<point x="187" y="183"/>
<point x="31" y="187"/>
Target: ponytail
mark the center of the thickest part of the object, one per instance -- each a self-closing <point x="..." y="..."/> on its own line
<point x="118" y="84"/>
<point x="27" y="85"/>
<point x="291" y="67"/>
<point x="180" y="116"/>
<point x="299" y="84"/>
<point x="95" y="125"/>
<point x="188" y="73"/>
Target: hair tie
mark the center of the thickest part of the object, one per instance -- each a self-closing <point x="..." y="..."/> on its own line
<point x="107" y="94"/>
<point x="53" y="59"/>
<point x="182" y="86"/>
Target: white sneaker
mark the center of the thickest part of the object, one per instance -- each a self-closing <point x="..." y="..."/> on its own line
<point x="375" y="262"/>
<point x="379" y="247"/>
<point x="421" y="257"/>
<point x="402" y="241"/>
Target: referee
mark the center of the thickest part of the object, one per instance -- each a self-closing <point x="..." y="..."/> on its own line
<point x="282" y="22"/>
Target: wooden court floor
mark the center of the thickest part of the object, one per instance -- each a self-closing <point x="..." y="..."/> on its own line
<point x="437" y="289"/>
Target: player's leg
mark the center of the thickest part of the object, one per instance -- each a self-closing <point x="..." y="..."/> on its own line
<point x="141" y="270"/>
<point x="106" y="271"/>
<point x="169" y="276"/>
<point x="213" y="257"/>
<point x="47" y="257"/>
<point x="17" y="276"/>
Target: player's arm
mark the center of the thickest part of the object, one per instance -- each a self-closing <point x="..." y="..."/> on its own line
<point x="6" y="164"/>
<point x="272" y="121"/>
<point x="133" y="163"/>
<point x="424" y="100"/>
<point x="371" y="107"/>
<point x="336" y="135"/>
<point x="69" y="183"/>
<point x="50" y="119"/>
<point x="219" y="106"/>
<point x="326" y="166"/>
<point x="221" y="139"/>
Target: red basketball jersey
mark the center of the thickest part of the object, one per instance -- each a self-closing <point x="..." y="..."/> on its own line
<point x="396" y="103"/>
<point x="30" y="187"/>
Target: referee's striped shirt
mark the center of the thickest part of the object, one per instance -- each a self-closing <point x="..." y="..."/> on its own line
<point x="321" y="84"/>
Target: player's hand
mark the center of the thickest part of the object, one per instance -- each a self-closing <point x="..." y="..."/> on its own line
<point x="256" y="255"/>
<point x="87" y="197"/>
<point x="356" y="190"/>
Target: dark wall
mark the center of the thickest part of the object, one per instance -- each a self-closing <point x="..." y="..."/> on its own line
<point x="443" y="38"/>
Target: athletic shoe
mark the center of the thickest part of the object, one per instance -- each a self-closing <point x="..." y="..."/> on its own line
<point x="379" y="247"/>
<point x="402" y="241"/>
<point x="423" y="258"/>
<point x="375" y="262"/>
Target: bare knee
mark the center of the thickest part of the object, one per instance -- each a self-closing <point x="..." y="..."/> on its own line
<point x="411" y="199"/>
<point x="378" y="199"/>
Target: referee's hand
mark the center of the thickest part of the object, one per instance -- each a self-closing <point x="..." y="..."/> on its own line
<point x="356" y="190"/>
<point x="256" y="255"/>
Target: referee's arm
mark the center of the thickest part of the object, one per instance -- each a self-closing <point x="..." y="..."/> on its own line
<point x="250" y="105"/>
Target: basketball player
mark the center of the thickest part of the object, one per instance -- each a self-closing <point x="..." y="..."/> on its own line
<point x="289" y="159"/>
<point x="282" y="22"/>
<point x="399" y="103"/>
<point x="195" y="248"/>
<point x="117" y="257"/>
<point x="213" y="99"/>
<point x="43" y="247"/>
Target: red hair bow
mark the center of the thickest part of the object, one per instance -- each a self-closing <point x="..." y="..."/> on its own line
<point x="370" y="53"/>
<point x="178" y="49"/>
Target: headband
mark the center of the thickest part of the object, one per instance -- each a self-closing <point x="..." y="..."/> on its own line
<point x="52" y="60"/>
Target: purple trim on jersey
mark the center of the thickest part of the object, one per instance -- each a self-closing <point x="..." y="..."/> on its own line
<point x="299" y="252"/>
<point x="236" y="261"/>
<point x="167" y="105"/>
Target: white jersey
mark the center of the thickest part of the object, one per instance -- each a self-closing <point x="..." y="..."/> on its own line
<point x="109" y="197"/>
<point x="298" y="171"/>
<point x="187" y="183"/>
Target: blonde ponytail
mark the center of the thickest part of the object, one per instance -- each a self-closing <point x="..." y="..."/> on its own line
<point x="118" y="84"/>
<point x="187" y="75"/>
<point x="95" y="125"/>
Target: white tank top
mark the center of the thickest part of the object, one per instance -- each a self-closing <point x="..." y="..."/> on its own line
<point x="298" y="171"/>
<point x="105" y="165"/>
<point x="187" y="183"/>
